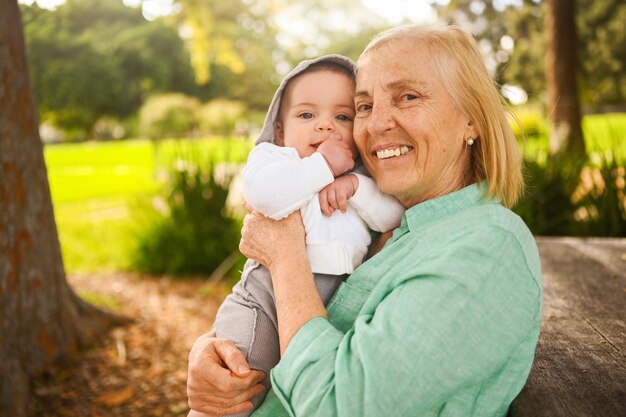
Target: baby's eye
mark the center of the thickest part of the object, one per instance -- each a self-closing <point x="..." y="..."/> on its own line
<point x="306" y="115"/>
<point x="344" y="118"/>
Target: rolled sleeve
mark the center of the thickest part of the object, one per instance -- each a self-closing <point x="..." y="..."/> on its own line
<point x="316" y="341"/>
<point x="380" y="211"/>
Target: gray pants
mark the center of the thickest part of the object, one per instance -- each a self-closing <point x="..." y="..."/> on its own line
<point x="248" y="317"/>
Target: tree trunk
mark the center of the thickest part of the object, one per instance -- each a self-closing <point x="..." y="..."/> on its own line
<point x="566" y="137"/>
<point x="41" y="318"/>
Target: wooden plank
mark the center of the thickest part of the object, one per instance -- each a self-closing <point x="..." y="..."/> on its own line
<point x="580" y="365"/>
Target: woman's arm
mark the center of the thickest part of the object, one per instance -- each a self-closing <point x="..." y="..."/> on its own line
<point x="429" y="338"/>
<point x="280" y="246"/>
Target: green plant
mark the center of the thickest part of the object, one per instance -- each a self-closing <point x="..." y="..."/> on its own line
<point x="583" y="198"/>
<point x="220" y="117"/>
<point x="192" y="231"/>
<point x="169" y="115"/>
<point x="547" y="206"/>
<point x="601" y="204"/>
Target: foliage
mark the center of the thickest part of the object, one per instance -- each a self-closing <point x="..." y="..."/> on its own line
<point x="578" y="198"/>
<point x="220" y="117"/>
<point x="169" y="115"/>
<point x="194" y="233"/>
<point x="601" y="36"/>
<point x="602" y="203"/>
<point x="95" y="58"/>
<point x="100" y="191"/>
<point x="547" y="207"/>
<point x="529" y="123"/>
<point x="231" y="44"/>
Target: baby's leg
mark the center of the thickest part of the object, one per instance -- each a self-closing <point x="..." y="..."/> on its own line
<point x="248" y="317"/>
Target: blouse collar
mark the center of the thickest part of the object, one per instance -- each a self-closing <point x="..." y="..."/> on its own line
<point x="431" y="210"/>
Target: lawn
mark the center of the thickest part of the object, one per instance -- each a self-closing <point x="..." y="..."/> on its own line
<point x="98" y="189"/>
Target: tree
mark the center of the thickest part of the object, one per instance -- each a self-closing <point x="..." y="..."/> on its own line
<point x="41" y="319"/>
<point x="98" y="58"/>
<point x="566" y="136"/>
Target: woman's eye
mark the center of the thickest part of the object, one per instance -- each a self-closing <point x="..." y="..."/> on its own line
<point x="306" y="115"/>
<point x="409" y="97"/>
<point x="363" y="108"/>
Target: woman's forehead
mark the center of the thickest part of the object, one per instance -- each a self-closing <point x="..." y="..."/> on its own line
<point x="390" y="67"/>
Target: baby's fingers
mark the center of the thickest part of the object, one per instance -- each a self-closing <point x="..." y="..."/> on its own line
<point x="342" y="201"/>
<point x="332" y="200"/>
<point x="324" y="202"/>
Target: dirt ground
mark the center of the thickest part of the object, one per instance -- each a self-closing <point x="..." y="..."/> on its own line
<point x="140" y="369"/>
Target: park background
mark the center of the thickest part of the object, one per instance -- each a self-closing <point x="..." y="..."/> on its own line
<point x="147" y="110"/>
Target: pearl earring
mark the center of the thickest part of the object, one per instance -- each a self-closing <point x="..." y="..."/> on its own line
<point x="469" y="141"/>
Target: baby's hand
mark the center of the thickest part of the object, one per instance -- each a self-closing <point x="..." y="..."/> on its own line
<point x="338" y="155"/>
<point x="335" y="195"/>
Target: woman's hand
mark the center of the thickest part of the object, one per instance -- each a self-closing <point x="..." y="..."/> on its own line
<point x="280" y="246"/>
<point x="219" y="380"/>
<point x="270" y="241"/>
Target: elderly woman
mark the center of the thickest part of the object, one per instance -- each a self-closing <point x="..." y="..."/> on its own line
<point x="444" y="320"/>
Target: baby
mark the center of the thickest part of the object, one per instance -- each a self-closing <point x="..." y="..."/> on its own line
<point x="303" y="161"/>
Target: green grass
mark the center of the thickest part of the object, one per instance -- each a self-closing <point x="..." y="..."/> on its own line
<point x="98" y="188"/>
<point x="603" y="132"/>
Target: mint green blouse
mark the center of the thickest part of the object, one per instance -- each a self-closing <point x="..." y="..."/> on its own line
<point x="443" y="321"/>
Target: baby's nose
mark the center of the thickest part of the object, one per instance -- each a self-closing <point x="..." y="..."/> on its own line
<point x="324" y="124"/>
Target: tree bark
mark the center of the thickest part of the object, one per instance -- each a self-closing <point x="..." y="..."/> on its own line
<point x="41" y="319"/>
<point x="566" y="136"/>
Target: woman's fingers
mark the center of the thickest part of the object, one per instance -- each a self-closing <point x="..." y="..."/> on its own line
<point x="218" y="411"/>
<point x="232" y="357"/>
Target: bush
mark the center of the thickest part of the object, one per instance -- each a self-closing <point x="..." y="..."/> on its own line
<point x="169" y="115"/>
<point x="529" y="124"/>
<point x="585" y="198"/>
<point x="547" y="206"/>
<point x="192" y="232"/>
<point x="221" y="117"/>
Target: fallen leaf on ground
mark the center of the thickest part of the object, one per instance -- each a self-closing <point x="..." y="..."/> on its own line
<point x="117" y="397"/>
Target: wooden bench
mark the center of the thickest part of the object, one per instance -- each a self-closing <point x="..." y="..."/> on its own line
<point x="580" y="365"/>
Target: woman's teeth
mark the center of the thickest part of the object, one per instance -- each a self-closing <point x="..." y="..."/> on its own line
<point x="389" y="153"/>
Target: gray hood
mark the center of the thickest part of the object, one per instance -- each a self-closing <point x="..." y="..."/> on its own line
<point x="267" y="134"/>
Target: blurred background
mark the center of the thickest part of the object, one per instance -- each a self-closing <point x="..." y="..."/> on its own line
<point x="148" y="109"/>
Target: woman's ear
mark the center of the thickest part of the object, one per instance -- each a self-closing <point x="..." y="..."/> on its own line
<point x="279" y="134"/>
<point x="470" y="130"/>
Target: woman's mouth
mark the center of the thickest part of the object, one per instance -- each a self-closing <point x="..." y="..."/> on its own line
<point x="393" y="152"/>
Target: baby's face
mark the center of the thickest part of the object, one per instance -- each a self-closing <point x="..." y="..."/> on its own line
<point x="316" y="106"/>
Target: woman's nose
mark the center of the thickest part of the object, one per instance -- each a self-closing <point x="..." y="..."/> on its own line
<point x="380" y="119"/>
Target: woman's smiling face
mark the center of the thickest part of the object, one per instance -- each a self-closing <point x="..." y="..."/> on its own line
<point x="409" y="131"/>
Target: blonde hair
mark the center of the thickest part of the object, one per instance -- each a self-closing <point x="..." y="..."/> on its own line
<point x="495" y="155"/>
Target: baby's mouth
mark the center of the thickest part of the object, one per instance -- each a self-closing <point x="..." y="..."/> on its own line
<point x="393" y="152"/>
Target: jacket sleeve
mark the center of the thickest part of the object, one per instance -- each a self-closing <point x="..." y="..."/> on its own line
<point x="380" y="211"/>
<point x="430" y="338"/>
<point x="277" y="182"/>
